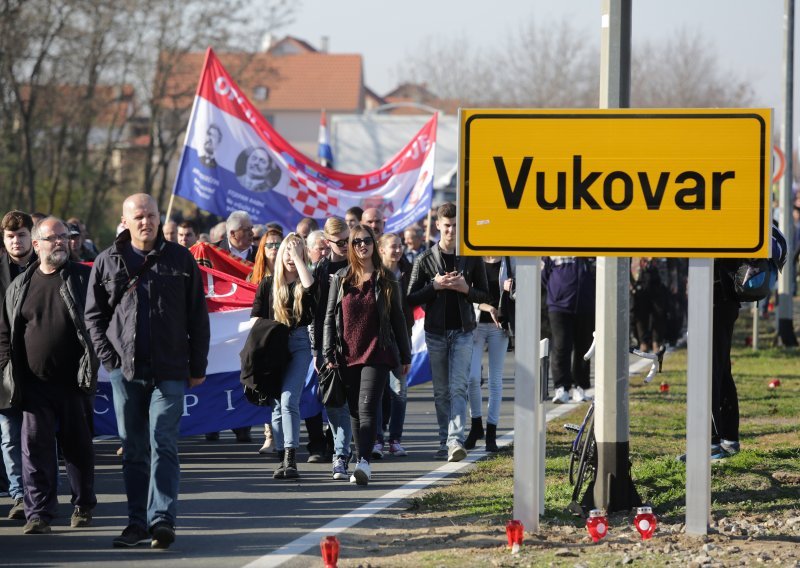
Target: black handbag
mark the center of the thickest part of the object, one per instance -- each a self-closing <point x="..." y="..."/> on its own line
<point x="331" y="386"/>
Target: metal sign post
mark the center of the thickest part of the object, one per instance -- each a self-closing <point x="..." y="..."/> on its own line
<point x="698" y="396"/>
<point x="528" y="408"/>
<point x="614" y="489"/>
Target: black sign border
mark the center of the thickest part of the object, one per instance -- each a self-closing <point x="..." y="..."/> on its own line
<point x="621" y="251"/>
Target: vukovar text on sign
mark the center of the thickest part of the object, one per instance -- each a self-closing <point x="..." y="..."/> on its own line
<point x="687" y="183"/>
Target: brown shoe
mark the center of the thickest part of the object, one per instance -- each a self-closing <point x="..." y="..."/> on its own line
<point x="81" y="517"/>
<point x="36" y="526"/>
<point x="17" y="512"/>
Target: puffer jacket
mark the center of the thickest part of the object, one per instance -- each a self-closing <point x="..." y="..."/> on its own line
<point x="393" y="331"/>
<point x="73" y="292"/>
<point x="179" y="328"/>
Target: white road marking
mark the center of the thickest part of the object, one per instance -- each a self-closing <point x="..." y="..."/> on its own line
<point x="311" y="539"/>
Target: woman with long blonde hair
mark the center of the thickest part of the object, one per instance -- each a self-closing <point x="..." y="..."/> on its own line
<point x="365" y="333"/>
<point x="288" y="297"/>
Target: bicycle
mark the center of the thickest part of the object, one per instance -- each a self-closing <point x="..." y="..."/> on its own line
<point x="583" y="453"/>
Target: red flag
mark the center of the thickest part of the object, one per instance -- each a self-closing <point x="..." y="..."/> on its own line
<point x="211" y="256"/>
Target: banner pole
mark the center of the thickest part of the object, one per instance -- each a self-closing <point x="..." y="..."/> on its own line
<point x="169" y="207"/>
<point x="428" y="228"/>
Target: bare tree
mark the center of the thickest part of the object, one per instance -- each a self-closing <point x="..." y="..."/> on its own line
<point x="548" y="65"/>
<point x="551" y="64"/>
<point x="68" y="71"/>
<point x="540" y="65"/>
<point x="684" y="71"/>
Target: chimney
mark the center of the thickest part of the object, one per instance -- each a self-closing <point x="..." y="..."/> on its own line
<point x="323" y="44"/>
<point x="267" y="42"/>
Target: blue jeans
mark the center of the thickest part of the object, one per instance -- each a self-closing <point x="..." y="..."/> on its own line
<point x="11" y="428"/>
<point x="339" y="420"/>
<point x="451" y="356"/>
<point x="498" y="346"/>
<point x="286" y="414"/>
<point x="148" y="417"/>
<point x="398" y="398"/>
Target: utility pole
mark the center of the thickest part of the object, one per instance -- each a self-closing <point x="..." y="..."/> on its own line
<point x="613" y="489"/>
<point x="785" y="327"/>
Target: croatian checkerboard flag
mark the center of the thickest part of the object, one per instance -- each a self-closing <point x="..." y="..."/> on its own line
<point x="234" y="159"/>
<point x="324" y="151"/>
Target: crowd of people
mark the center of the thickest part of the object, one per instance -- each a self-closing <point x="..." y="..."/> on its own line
<point x="346" y="293"/>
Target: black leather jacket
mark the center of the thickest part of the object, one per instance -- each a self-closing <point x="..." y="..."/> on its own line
<point x="393" y="333"/>
<point x="421" y="290"/>
<point x="179" y="328"/>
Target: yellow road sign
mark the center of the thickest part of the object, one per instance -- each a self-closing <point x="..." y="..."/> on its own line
<point x="686" y="183"/>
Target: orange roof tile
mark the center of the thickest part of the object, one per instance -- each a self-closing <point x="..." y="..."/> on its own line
<point x="301" y="81"/>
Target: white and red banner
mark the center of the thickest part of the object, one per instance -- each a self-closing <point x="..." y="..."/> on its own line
<point x="233" y="159"/>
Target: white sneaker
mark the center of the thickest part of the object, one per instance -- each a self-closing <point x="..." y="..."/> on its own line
<point x="362" y="474"/>
<point x="578" y="395"/>
<point x="561" y="397"/>
<point x="377" y="451"/>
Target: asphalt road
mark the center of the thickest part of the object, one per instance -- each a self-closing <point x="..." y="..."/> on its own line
<point x="231" y="512"/>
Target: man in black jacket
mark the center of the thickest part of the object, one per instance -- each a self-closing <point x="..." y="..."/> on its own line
<point x="46" y="353"/>
<point x="18" y="255"/>
<point x="147" y="317"/>
<point x="447" y="285"/>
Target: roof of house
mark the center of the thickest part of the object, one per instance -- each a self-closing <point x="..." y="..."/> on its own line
<point x="298" y="81"/>
<point x="108" y="105"/>
<point x="407" y="95"/>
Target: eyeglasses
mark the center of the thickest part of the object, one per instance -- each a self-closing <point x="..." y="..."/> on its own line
<point x="54" y="238"/>
<point x="274" y="246"/>
<point x="74" y="237"/>
<point x="339" y="243"/>
<point x="366" y="241"/>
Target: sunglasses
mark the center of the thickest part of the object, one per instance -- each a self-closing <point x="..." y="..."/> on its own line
<point x="269" y="246"/>
<point x="366" y="241"/>
<point x="339" y="243"/>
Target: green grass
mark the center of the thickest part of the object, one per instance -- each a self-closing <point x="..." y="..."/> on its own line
<point x="770" y="421"/>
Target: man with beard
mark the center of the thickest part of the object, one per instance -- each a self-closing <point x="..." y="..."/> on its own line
<point x="45" y="342"/>
<point x="18" y="255"/>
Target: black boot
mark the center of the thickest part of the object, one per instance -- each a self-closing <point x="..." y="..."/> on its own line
<point x="280" y="472"/>
<point x="290" y="465"/>
<point x="491" y="438"/>
<point x="475" y="433"/>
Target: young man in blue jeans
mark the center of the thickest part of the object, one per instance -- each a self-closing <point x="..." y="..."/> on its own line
<point x="448" y="285"/>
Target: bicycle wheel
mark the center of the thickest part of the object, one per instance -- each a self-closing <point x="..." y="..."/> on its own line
<point x="587" y="464"/>
<point x="579" y="445"/>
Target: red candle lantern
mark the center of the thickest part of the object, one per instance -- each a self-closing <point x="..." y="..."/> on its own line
<point x="645" y="522"/>
<point x="515" y="531"/>
<point x="664" y="387"/>
<point x="597" y="524"/>
<point x="329" y="546"/>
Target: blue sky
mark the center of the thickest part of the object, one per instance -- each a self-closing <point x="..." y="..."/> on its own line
<point x="747" y="34"/>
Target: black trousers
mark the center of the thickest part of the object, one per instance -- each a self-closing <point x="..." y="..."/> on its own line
<point x="571" y="337"/>
<point x="365" y="385"/>
<point x="50" y="413"/>
<point x="724" y="398"/>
